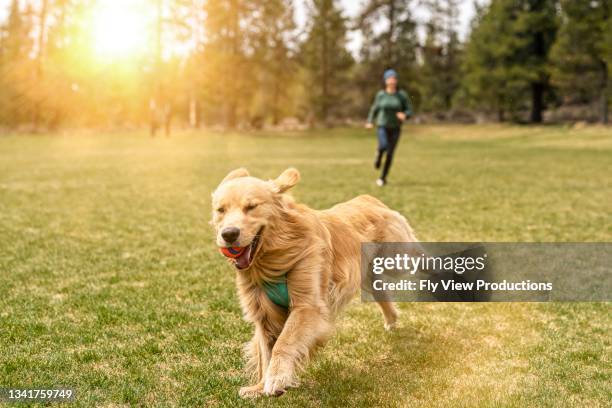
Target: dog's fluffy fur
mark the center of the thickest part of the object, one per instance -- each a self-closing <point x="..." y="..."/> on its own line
<point x="317" y="251"/>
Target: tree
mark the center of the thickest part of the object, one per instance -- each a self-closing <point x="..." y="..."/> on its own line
<point x="274" y="44"/>
<point x="395" y="46"/>
<point x="71" y="91"/>
<point x="326" y="59"/>
<point x="487" y="84"/>
<point x="16" y="33"/>
<point x="226" y="62"/>
<point x="582" y="54"/>
<point x="194" y="31"/>
<point x="608" y="43"/>
<point x="15" y="65"/>
<point x="169" y="71"/>
<point x="507" y="56"/>
<point x="440" y="71"/>
<point x="41" y="46"/>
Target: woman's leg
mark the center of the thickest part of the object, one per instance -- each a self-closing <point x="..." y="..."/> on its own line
<point x="393" y="135"/>
<point x="383" y="144"/>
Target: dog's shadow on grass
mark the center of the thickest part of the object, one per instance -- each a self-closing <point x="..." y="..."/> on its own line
<point x="389" y="367"/>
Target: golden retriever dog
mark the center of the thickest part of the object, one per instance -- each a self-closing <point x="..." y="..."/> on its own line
<point x="314" y="254"/>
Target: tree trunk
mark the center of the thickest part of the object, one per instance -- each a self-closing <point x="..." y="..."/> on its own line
<point x="39" y="62"/>
<point x="158" y="33"/>
<point x="156" y="101"/>
<point x="232" y="105"/>
<point x="275" y="104"/>
<point x="537" y="101"/>
<point x="194" y="117"/>
<point x="324" y="69"/>
<point x="603" y="97"/>
<point x="390" y="59"/>
<point x="538" y="87"/>
<point x="500" y="109"/>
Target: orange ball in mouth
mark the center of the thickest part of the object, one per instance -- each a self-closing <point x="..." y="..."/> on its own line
<point x="232" y="252"/>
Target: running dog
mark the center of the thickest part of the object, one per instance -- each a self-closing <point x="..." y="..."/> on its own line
<point x="296" y="267"/>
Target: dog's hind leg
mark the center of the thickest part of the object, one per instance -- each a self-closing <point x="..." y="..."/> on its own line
<point x="390" y="313"/>
<point x="395" y="229"/>
<point x="382" y="298"/>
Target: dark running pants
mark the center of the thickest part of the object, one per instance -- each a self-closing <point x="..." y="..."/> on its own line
<point x="387" y="142"/>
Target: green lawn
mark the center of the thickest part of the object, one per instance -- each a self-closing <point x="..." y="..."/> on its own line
<point x="111" y="283"/>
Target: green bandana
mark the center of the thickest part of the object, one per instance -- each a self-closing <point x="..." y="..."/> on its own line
<point x="278" y="293"/>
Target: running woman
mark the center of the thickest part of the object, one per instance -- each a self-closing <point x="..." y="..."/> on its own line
<point x="390" y="109"/>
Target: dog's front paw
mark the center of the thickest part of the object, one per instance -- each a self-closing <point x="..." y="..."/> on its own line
<point x="390" y="326"/>
<point x="251" y="391"/>
<point x="277" y="385"/>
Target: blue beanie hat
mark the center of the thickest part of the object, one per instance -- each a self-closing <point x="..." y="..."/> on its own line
<point x="389" y="73"/>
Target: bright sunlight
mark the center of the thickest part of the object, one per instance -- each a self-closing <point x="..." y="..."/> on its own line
<point x="121" y="28"/>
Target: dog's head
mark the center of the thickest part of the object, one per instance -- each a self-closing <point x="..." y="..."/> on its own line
<point x="242" y="208"/>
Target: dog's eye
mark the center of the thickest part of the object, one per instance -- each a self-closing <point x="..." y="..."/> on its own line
<point x="220" y="210"/>
<point x="250" y="207"/>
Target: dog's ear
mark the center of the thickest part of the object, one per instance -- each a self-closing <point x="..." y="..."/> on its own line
<point x="286" y="180"/>
<point x="241" y="172"/>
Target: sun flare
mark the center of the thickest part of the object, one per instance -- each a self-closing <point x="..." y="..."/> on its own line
<point x="120" y="28"/>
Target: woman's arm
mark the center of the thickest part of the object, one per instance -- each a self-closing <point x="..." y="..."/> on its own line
<point x="373" y="110"/>
<point x="407" y="104"/>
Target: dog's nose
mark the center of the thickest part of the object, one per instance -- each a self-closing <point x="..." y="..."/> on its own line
<point x="230" y="234"/>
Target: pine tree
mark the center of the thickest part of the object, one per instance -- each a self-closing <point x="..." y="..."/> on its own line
<point x="69" y="91"/>
<point x="607" y="43"/>
<point x="273" y="43"/>
<point x="487" y="84"/>
<point x="15" y="38"/>
<point x="41" y="47"/>
<point x="226" y="66"/>
<point x="15" y="65"/>
<point x="394" y="47"/>
<point x="539" y="25"/>
<point x="440" y="71"/>
<point x="583" y="54"/>
<point x="507" y="56"/>
<point x="326" y="59"/>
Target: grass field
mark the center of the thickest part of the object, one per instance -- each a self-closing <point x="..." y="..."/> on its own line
<point x="111" y="282"/>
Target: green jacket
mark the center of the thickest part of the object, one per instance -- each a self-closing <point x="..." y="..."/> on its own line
<point x="386" y="105"/>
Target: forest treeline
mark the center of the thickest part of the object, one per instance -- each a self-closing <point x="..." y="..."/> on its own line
<point x="248" y="63"/>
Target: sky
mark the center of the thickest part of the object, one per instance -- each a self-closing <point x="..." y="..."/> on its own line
<point x="351" y="8"/>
